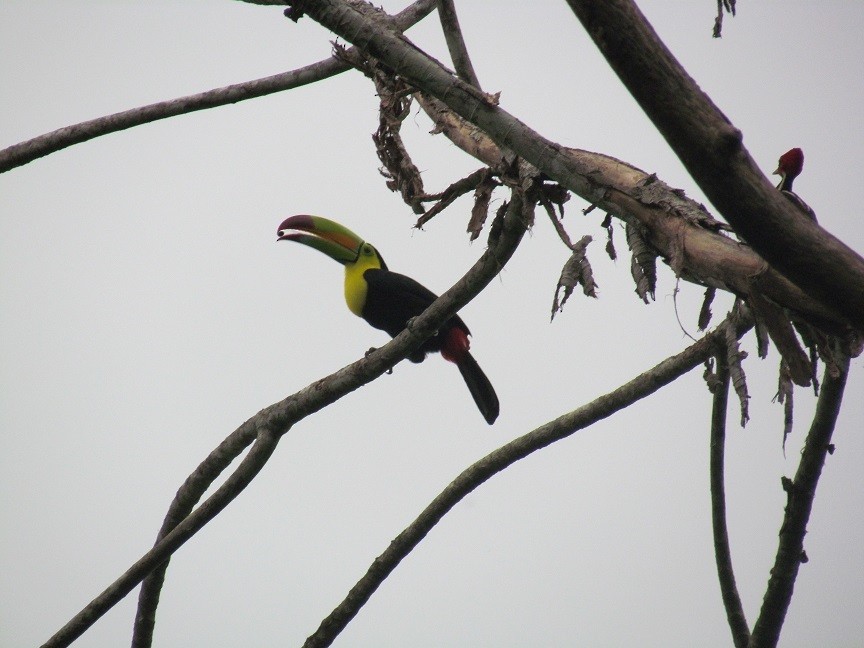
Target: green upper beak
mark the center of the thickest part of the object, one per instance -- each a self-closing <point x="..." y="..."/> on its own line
<point x="324" y="235"/>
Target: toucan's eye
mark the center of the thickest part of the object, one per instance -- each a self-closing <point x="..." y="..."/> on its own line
<point x="367" y="250"/>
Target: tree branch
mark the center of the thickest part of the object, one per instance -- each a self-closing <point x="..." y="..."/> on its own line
<point x="711" y="149"/>
<point x="472" y="477"/>
<point x="456" y="43"/>
<point x="600" y="179"/>
<point x="250" y="466"/>
<point x="24" y="152"/>
<point x="800" y="494"/>
<point x="723" y="557"/>
<point x="277" y="419"/>
<point x="676" y="226"/>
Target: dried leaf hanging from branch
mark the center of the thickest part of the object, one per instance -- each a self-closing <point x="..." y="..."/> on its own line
<point x="610" y="244"/>
<point x="643" y="263"/>
<point x="482" y="197"/>
<point x="734" y="356"/>
<point x="401" y="173"/>
<point x="776" y="322"/>
<point x="785" y="392"/>
<point x="577" y="271"/>
<point x="394" y="95"/>
<point x="729" y="6"/>
<point x="705" y="311"/>
<point x="762" y="338"/>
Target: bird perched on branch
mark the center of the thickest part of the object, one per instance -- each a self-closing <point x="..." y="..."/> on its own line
<point x="388" y="300"/>
<point x="788" y="168"/>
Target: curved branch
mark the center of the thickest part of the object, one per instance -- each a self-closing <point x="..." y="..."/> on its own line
<point x="24" y="152"/>
<point x="277" y="419"/>
<point x="800" y="495"/>
<point x="246" y="471"/>
<point x="472" y="477"/>
<point x="188" y="495"/>
<point x="723" y="557"/>
<point x="711" y="149"/>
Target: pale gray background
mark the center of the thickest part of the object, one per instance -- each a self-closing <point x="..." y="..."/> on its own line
<point x="147" y="311"/>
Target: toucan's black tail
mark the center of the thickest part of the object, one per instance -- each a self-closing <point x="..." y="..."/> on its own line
<point x="480" y="387"/>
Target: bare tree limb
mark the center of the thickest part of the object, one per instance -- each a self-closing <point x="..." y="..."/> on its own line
<point x="265" y="444"/>
<point x="711" y="149"/>
<point x="599" y="179"/>
<point x="472" y="477"/>
<point x="800" y="494"/>
<point x="722" y="554"/>
<point x="456" y="43"/>
<point x="277" y="419"/>
<point x="24" y="152"/>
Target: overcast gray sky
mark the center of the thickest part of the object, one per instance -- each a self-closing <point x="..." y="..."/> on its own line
<point x="147" y="311"/>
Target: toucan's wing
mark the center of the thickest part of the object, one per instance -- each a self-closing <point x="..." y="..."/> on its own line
<point x="392" y="299"/>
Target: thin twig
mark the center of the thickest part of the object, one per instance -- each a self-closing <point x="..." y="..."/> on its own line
<point x="456" y="43"/>
<point x="722" y="554"/>
<point x="450" y="194"/>
<point x="800" y="494"/>
<point x="24" y="152"/>
<point x="493" y="463"/>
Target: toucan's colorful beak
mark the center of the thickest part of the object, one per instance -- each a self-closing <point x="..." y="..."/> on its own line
<point x="324" y="235"/>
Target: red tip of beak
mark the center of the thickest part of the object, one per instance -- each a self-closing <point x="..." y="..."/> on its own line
<point x="302" y="222"/>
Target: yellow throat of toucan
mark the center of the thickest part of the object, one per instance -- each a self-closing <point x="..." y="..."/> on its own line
<point x="356" y="287"/>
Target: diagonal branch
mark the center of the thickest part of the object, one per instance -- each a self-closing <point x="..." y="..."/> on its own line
<point x="722" y="554"/>
<point x="800" y="494"/>
<point x="277" y="419"/>
<point x="711" y="149"/>
<point x="472" y="477"/>
<point x="708" y="256"/>
<point x="456" y="43"/>
<point x="24" y="152"/>
<point x="265" y="444"/>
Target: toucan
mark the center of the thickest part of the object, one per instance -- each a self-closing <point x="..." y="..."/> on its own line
<point x="388" y="300"/>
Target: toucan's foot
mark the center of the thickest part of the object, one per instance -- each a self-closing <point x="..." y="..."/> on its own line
<point x="373" y="350"/>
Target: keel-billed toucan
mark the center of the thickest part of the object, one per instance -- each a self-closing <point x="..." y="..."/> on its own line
<point x="387" y="300"/>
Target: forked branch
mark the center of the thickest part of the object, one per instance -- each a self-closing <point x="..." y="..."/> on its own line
<point x="800" y="494"/>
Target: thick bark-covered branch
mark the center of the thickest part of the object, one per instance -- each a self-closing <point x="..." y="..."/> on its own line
<point x="24" y="152"/>
<point x="277" y="419"/>
<point x="706" y="257"/>
<point x="676" y="226"/>
<point x="800" y="494"/>
<point x="481" y="471"/>
<point x="712" y="151"/>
